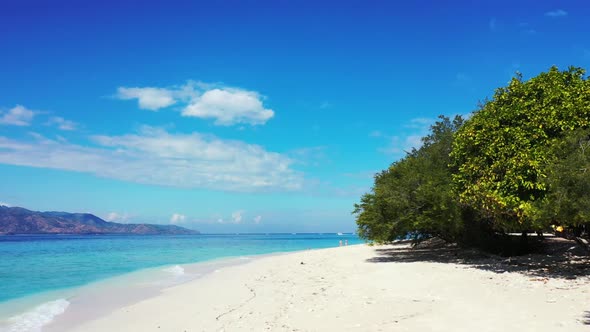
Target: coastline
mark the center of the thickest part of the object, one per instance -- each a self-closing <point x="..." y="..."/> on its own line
<point x="353" y="289"/>
<point x="59" y="275"/>
<point x="95" y="300"/>
<point x="63" y="309"/>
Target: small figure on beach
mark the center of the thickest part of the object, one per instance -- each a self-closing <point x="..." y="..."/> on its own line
<point x="340" y="243"/>
<point x="345" y="242"/>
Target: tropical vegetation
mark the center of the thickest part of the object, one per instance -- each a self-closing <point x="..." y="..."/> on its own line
<point x="520" y="163"/>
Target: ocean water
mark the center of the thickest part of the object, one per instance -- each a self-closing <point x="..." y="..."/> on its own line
<point x="39" y="267"/>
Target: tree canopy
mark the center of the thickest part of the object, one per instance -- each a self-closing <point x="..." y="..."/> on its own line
<point x="519" y="163"/>
<point x="414" y="195"/>
<point x="567" y="201"/>
<point x="502" y="153"/>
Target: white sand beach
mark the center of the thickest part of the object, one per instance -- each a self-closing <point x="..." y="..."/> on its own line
<point x="359" y="288"/>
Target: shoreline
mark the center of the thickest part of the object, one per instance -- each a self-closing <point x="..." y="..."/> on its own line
<point x="52" y="264"/>
<point x="63" y="309"/>
<point x="357" y="288"/>
<point x="93" y="300"/>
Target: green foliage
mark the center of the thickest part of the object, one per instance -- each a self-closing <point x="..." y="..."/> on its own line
<point x="502" y="152"/>
<point x="520" y="163"/>
<point x="414" y="196"/>
<point x="567" y="202"/>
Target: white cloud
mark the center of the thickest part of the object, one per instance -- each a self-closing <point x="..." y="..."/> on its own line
<point x="62" y="123"/>
<point x="422" y="124"/>
<point x="414" y="141"/>
<point x="148" y="98"/>
<point x="237" y="217"/>
<point x="556" y="13"/>
<point x="22" y="116"/>
<point x="310" y="156"/>
<point x="117" y="217"/>
<point x="17" y="116"/>
<point x="154" y="156"/>
<point x="257" y="219"/>
<point x="398" y="145"/>
<point x="177" y="218"/>
<point x="229" y="107"/>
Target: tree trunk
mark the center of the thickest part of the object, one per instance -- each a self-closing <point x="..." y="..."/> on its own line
<point x="524" y="243"/>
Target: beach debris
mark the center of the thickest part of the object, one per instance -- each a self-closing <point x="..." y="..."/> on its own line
<point x="302" y="263"/>
<point x="544" y="280"/>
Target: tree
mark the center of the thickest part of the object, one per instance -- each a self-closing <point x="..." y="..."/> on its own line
<point x="502" y="152"/>
<point x="567" y="202"/>
<point x="414" y="196"/>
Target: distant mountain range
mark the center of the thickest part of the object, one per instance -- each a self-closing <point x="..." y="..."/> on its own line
<point x="16" y="220"/>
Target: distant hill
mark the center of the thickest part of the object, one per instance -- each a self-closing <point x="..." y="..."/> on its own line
<point x="16" y="220"/>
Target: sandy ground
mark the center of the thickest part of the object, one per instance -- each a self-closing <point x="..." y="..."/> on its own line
<point x="359" y="288"/>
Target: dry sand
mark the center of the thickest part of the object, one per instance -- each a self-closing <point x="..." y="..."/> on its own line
<point x="360" y="288"/>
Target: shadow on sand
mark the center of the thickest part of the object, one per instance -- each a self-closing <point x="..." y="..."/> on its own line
<point x="558" y="258"/>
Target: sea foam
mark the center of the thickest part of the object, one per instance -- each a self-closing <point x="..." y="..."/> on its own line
<point x="35" y="319"/>
<point x="176" y="270"/>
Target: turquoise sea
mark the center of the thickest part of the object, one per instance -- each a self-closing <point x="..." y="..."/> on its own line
<point x="42" y="264"/>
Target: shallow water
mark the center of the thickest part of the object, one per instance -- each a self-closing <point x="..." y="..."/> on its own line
<point x="40" y="275"/>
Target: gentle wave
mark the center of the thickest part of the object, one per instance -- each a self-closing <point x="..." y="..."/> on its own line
<point x="176" y="270"/>
<point x="35" y="319"/>
<point x="87" y="259"/>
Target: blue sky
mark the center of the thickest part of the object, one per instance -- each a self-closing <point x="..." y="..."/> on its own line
<point x="247" y="116"/>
